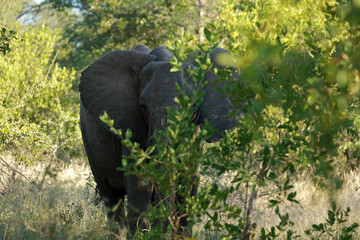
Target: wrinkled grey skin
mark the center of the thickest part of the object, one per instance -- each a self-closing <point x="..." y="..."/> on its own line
<point x="134" y="87"/>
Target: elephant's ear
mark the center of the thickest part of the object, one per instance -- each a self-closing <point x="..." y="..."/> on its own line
<point x="216" y="106"/>
<point x="110" y="84"/>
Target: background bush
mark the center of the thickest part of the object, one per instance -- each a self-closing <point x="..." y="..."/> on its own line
<point x="39" y="114"/>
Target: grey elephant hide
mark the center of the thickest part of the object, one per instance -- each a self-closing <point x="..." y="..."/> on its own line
<point x="134" y="87"/>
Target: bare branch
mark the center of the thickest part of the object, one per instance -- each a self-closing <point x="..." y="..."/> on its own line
<point x="6" y="163"/>
<point x="250" y="204"/>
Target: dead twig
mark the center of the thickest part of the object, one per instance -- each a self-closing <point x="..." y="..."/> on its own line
<point x="47" y="169"/>
<point x="7" y="164"/>
<point x="250" y="204"/>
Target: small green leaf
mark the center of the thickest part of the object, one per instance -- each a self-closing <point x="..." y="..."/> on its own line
<point x="273" y="203"/>
<point x="331" y="217"/>
<point x="207" y="34"/>
<point x="291" y="197"/>
<point x="175" y="69"/>
<point x="128" y="134"/>
<point x="149" y="150"/>
<point x="272" y="176"/>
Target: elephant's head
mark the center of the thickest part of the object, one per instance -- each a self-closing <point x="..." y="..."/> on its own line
<point x="134" y="87"/>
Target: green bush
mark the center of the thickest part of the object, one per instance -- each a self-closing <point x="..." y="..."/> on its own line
<point x="299" y="91"/>
<point x="310" y="26"/>
<point x="39" y="114"/>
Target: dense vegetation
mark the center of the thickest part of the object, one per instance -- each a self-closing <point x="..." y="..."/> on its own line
<point x="298" y="87"/>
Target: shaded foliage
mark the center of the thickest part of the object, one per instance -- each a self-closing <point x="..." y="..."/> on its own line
<point x="6" y="36"/>
<point x="103" y="26"/>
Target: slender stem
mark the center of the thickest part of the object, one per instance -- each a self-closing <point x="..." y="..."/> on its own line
<point x="6" y="163"/>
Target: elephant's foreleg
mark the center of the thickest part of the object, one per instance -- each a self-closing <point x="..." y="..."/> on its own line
<point x="139" y="198"/>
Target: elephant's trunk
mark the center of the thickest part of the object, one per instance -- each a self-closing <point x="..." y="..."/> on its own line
<point x="157" y="122"/>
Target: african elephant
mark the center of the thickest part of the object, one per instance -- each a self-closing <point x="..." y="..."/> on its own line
<point x="134" y="87"/>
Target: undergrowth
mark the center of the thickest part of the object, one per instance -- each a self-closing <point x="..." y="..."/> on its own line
<point x="63" y="205"/>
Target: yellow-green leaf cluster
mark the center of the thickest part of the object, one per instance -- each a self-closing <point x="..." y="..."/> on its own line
<point x="36" y="101"/>
<point x="306" y="25"/>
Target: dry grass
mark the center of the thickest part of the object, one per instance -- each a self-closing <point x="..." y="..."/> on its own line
<point x="51" y="203"/>
<point x="57" y="202"/>
<point x="314" y="204"/>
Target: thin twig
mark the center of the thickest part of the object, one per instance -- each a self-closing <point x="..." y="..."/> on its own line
<point x="6" y="163"/>
<point x="250" y="204"/>
<point x="52" y="63"/>
<point x="55" y="148"/>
